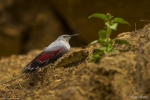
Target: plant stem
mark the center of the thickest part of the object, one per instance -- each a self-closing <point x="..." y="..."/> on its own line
<point x="108" y="33"/>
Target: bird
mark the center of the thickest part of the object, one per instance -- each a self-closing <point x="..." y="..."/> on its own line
<point x="50" y="54"/>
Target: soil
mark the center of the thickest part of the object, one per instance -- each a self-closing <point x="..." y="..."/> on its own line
<point x="123" y="76"/>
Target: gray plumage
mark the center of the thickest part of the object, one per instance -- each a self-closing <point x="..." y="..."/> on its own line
<point x="50" y="54"/>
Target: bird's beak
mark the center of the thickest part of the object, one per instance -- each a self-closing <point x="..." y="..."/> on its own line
<point x="74" y="35"/>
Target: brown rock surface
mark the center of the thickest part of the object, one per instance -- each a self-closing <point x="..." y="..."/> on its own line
<point x="121" y="76"/>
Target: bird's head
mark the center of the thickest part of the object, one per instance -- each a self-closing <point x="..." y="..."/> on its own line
<point x="65" y="38"/>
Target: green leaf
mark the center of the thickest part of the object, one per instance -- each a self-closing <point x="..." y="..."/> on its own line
<point x="121" y="42"/>
<point x="95" y="59"/>
<point x="99" y="15"/>
<point x="113" y="26"/>
<point x="95" y="41"/>
<point x="102" y="48"/>
<point x="96" y="55"/>
<point x="120" y="20"/>
<point x="113" y="51"/>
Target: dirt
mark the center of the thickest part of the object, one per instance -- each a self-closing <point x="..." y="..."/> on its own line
<point x="123" y="76"/>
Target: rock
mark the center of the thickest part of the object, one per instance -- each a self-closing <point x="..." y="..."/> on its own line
<point x="123" y="76"/>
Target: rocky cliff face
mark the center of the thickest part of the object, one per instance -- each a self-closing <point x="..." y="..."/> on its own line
<point x="123" y="76"/>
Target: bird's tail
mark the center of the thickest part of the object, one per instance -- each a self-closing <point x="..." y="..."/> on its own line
<point x="29" y="69"/>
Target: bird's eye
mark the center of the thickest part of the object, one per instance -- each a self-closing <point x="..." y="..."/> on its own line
<point x="64" y="36"/>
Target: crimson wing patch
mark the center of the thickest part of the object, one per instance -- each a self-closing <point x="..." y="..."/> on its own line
<point x="42" y="60"/>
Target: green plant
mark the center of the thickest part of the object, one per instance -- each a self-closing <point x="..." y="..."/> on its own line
<point x="106" y="44"/>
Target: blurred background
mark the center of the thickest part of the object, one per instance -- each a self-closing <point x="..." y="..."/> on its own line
<point x="34" y="24"/>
